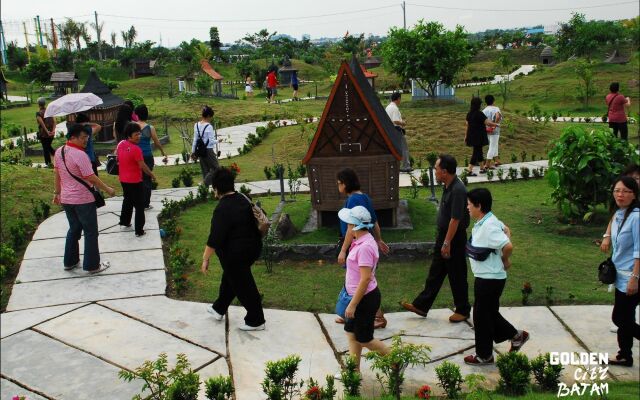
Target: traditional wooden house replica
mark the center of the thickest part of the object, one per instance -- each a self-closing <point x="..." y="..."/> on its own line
<point x="616" y="58"/>
<point x="142" y="68"/>
<point x="105" y="113"/>
<point x="64" y="83"/>
<point x="372" y="62"/>
<point x="371" y="77"/>
<point x="4" y="94"/>
<point x="442" y="91"/>
<point x="354" y="131"/>
<point x="546" y="56"/>
<point x="286" y="72"/>
<point x="217" y="78"/>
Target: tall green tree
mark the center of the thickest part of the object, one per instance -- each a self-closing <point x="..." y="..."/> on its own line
<point x="503" y="66"/>
<point x="214" y="40"/>
<point x="579" y="37"/>
<point x="586" y="87"/>
<point x="352" y="44"/>
<point x="262" y="42"/>
<point x="428" y="53"/>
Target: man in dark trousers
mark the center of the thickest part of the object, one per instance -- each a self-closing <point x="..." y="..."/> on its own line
<point x="449" y="251"/>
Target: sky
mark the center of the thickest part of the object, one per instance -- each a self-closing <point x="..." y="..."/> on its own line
<point x="171" y="22"/>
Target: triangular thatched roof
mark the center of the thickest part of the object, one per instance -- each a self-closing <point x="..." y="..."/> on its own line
<point x="96" y="86"/>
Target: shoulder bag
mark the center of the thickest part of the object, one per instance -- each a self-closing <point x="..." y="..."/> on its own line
<point x="477" y="253"/>
<point x="606" y="116"/>
<point x="262" y="221"/>
<point x="607" y="269"/>
<point x="98" y="199"/>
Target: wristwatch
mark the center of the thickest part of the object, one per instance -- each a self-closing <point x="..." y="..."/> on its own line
<point x="445" y="244"/>
<point x="606" y="235"/>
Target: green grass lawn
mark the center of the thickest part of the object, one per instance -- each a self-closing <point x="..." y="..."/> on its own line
<point x="558" y="260"/>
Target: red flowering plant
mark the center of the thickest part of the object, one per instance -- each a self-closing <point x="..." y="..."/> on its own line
<point x="424" y="392"/>
<point x="313" y="393"/>
<point x="526" y="292"/>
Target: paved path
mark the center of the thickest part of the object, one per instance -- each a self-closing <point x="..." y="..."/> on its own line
<point x="524" y="69"/>
<point x="66" y="335"/>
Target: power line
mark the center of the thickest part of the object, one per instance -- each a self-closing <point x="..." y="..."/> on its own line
<point x="494" y="10"/>
<point x="248" y="20"/>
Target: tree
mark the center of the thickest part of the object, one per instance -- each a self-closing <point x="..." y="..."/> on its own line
<point x="586" y="88"/>
<point x="503" y="66"/>
<point x="99" y="27"/>
<point x="214" y="40"/>
<point x="352" y="44"/>
<point x="113" y="43"/>
<point x="262" y="42"/>
<point x="580" y="37"/>
<point x="428" y="53"/>
<point x="69" y="32"/>
<point x="16" y="56"/>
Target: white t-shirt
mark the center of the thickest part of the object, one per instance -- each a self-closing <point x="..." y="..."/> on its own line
<point x="207" y="134"/>
<point x="491" y="113"/>
<point x="393" y="112"/>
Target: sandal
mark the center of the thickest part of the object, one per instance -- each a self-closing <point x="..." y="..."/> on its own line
<point x="380" y="323"/>
<point x="339" y="320"/>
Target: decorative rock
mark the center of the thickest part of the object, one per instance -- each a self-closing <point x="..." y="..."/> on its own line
<point x="285" y="228"/>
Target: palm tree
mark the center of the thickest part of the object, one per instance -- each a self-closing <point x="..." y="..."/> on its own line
<point x="132" y="35"/>
<point x="84" y="33"/>
<point x="113" y="43"/>
<point x="67" y="32"/>
<point x="202" y="52"/>
<point x="125" y="38"/>
<point x="98" y="29"/>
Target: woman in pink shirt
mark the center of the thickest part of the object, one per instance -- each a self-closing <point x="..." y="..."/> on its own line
<point x="616" y="111"/>
<point x="130" y="167"/>
<point x="361" y="284"/>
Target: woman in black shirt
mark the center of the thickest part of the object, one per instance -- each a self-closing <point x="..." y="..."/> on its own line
<point x="476" y="134"/>
<point x="236" y="240"/>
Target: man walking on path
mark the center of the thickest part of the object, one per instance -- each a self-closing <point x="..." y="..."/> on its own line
<point x="394" y="114"/>
<point x="72" y="165"/>
<point x="449" y="251"/>
<point x="272" y="85"/>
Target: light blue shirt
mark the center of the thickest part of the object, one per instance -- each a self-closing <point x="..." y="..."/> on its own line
<point x="489" y="233"/>
<point x="626" y="245"/>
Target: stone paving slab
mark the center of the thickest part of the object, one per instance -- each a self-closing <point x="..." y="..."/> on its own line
<point x="592" y="325"/>
<point x="287" y="333"/>
<point x="185" y="319"/>
<point x="114" y="242"/>
<point x="151" y="224"/>
<point x="9" y="389"/>
<point x="54" y="226"/>
<point x="51" y="268"/>
<point x="105" y="333"/>
<point x="435" y="325"/>
<point x="13" y="322"/>
<point x="59" y="371"/>
<point x="92" y="288"/>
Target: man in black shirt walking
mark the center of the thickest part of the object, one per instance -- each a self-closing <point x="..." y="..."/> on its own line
<point x="449" y="251"/>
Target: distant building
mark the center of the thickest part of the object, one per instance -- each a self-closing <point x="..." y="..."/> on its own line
<point x="64" y="83"/>
<point x="546" y="56"/>
<point x="442" y="91"/>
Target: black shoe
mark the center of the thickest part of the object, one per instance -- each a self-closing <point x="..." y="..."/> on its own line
<point x="621" y="361"/>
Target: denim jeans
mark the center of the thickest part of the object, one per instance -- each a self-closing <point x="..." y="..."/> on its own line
<point x="82" y="217"/>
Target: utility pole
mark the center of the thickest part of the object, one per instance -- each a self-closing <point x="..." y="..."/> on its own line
<point x="404" y="15"/>
<point x="95" y="13"/>
<point x="54" y="39"/>
<point x="40" y="31"/>
<point x="3" y="45"/>
<point x="26" y="39"/>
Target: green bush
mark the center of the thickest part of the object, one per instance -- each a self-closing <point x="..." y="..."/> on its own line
<point x="514" y="371"/>
<point x="280" y="380"/>
<point x="582" y="167"/>
<point x="185" y="387"/>
<point x="351" y="378"/>
<point x="219" y="388"/>
<point x="547" y="375"/>
<point x="393" y="365"/>
<point x="450" y="379"/>
<point x="161" y="383"/>
<point x="175" y="182"/>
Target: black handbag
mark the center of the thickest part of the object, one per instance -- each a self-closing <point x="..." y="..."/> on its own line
<point x="97" y="196"/>
<point x="607" y="272"/>
<point x="112" y="165"/>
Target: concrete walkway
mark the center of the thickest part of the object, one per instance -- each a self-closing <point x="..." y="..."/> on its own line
<point x="524" y="69"/>
<point x="66" y="335"/>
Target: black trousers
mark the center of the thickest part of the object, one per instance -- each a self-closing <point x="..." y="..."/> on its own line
<point x="455" y="268"/>
<point x="488" y="324"/>
<point x="146" y="181"/>
<point x="133" y="198"/>
<point x="477" y="155"/>
<point x="237" y="281"/>
<point x="621" y="127"/>
<point x="47" y="149"/>
<point x="624" y="317"/>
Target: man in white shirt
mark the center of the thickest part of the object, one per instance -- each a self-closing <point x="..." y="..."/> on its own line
<point x="394" y="114"/>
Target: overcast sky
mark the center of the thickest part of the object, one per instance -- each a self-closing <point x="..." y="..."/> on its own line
<point x="174" y="21"/>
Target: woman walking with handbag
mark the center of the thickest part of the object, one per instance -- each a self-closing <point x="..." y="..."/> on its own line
<point x="361" y="285"/>
<point x="625" y="237"/>
<point x="130" y="168"/>
<point x="236" y="240"/>
<point x="489" y="250"/>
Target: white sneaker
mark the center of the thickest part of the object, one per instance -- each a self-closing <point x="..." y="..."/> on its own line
<point x="338" y="376"/>
<point x="102" y="267"/>
<point x="245" y="327"/>
<point x="613" y="329"/>
<point x="216" y="316"/>
<point x="76" y="265"/>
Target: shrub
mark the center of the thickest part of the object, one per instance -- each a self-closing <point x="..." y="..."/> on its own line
<point x="7" y="255"/>
<point x="180" y="262"/>
<point x="463" y="177"/>
<point x="186" y="177"/>
<point x="219" y="388"/>
<point x="500" y="174"/>
<point x="523" y="156"/>
<point x="490" y="174"/>
<point x="449" y="378"/>
<point x="526" y="292"/>
<point x="514" y="371"/>
<point x="476" y="389"/>
<point x="393" y="365"/>
<point x="158" y="379"/>
<point x="279" y="382"/>
<point x="316" y="392"/>
<point x="267" y="173"/>
<point x="351" y="378"/>
<point x="524" y="173"/>
<point x="203" y="193"/>
<point x="582" y="166"/>
<point x="547" y="375"/>
<point x="513" y="173"/>
<point x="244" y="190"/>
<point x="175" y="182"/>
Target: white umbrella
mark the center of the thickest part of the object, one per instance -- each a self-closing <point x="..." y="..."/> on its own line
<point x="72" y="103"/>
